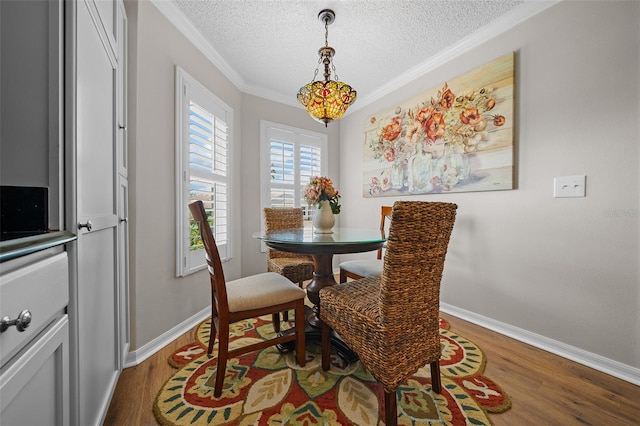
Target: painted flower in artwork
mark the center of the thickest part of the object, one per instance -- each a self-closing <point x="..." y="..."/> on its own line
<point x="434" y="127"/>
<point x="392" y="130"/>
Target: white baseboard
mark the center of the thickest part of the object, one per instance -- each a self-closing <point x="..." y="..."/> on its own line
<point x="140" y="354"/>
<point x="597" y="362"/>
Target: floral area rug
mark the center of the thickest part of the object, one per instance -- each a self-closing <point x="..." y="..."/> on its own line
<point x="268" y="388"/>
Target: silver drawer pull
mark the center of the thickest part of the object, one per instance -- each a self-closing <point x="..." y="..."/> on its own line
<point x="21" y="323"/>
<point x="87" y="225"/>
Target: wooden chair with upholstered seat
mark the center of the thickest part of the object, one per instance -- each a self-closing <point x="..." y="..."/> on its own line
<point x="356" y="269"/>
<point x="244" y="298"/>
<point x="391" y="321"/>
<point x="295" y="267"/>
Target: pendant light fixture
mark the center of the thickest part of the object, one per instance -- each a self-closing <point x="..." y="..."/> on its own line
<point x="326" y="100"/>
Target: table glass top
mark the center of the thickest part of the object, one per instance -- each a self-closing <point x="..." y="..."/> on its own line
<point x="339" y="236"/>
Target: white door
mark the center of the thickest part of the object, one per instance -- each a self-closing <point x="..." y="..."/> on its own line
<point x="98" y="316"/>
<point x="122" y="162"/>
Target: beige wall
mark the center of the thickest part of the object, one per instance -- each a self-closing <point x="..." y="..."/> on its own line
<point x="561" y="268"/>
<point x="159" y="300"/>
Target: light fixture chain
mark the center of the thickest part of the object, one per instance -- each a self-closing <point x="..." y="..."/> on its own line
<point x="326" y="32"/>
<point x="315" y="73"/>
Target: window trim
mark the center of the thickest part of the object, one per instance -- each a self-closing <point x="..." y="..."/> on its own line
<point x="183" y="265"/>
<point x="265" y="156"/>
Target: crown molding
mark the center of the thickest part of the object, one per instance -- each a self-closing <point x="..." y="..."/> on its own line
<point x="177" y="18"/>
<point x="484" y="34"/>
<point x="271" y="95"/>
<point x="479" y="37"/>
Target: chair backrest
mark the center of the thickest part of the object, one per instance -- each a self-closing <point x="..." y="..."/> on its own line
<point x="385" y="213"/>
<point x="413" y="264"/>
<point x="214" y="264"/>
<point x="277" y="218"/>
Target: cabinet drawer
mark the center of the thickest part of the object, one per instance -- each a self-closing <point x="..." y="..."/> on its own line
<point x="34" y="390"/>
<point x="43" y="289"/>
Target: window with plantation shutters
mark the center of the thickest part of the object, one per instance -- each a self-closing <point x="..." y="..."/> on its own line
<point x="202" y="154"/>
<point x="289" y="158"/>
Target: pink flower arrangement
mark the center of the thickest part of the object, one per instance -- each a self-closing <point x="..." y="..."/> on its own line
<point x="321" y="188"/>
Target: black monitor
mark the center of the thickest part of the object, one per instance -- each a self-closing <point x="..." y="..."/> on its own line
<point x="24" y="211"/>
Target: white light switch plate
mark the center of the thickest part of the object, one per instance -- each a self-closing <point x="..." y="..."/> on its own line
<point x="569" y="186"/>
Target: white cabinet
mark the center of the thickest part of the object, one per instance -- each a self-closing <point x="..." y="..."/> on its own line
<point x="34" y="270"/>
<point x="98" y="311"/>
<point x="122" y="149"/>
<point x="34" y="377"/>
<point x="34" y="390"/>
<point x="124" y="337"/>
<point x="63" y="368"/>
<point x="122" y="163"/>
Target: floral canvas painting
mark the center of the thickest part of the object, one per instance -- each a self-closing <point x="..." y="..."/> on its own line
<point x="454" y="138"/>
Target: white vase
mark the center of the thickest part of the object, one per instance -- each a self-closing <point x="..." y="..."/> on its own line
<point x="323" y="219"/>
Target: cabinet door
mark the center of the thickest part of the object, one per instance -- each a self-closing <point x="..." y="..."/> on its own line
<point x="105" y="19"/>
<point x="96" y="315"/>
<point x="123" y="265"/>
<point x="122" y="146"/>
<point x="122" y="161"/>
<point x="34" y="389"/>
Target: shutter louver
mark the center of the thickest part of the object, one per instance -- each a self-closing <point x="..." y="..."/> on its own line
<point x="207" y="165"/>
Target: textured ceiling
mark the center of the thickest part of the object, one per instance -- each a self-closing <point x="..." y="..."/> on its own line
<point x="270" y="46"/>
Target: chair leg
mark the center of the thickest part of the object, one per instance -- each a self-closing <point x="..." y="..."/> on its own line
<point x="213" y="332"/>
<point x="275" y="319"/>
<point x="325" y="346"/>
<point x="301" y="351"/>
<point x="390" y="409"/>
<point x="223" y="353"/>
<point x="212" y="338"/>
<point x="343" y="276"/>
<point x="285" y="314"/>
<point x="436" y="383"/>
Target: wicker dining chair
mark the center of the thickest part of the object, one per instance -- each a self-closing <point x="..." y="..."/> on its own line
<point x="245" y="298"/>
<point x="296" y="267"/>
<point x="391" y="321"/>
<point x="356" y="269"/>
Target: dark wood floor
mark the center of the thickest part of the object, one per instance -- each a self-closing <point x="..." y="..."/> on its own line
<point x="545" y="389"/>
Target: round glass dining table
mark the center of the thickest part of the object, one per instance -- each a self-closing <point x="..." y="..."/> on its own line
<point x="322" y="247"/>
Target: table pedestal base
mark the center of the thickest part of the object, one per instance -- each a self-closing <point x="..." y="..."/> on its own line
<point x="322" y="254"/>
<point x="314" y="334"/>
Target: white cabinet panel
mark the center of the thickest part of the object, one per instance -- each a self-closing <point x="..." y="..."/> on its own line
<point x="98" y="359"/>
<point x="34" y="388"/>
<point x="98" y="310"/>
<point x="122" y="146"/>
<point x="123" y="266"/>
<point x="42" y="288"/>
<point x="105" y="14"/>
